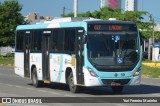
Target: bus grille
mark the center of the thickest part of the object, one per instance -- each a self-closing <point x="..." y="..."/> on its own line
<point x="109" y="81"/>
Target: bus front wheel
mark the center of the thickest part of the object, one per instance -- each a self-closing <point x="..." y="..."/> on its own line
<point x="73" y="88"/>
<point x="36" y="83"/>
<point x="117" y="89"/>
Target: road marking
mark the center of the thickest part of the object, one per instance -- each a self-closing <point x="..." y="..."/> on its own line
<point x="30" y="88"/>
<point x="120" y="105"/>
<point x="156" y="95"/>
<point x="19" y="86"/>
<point x="9" y="85"/>
<point x="70" y="95"/>
<point x="54" y="93"/>
<point x="42" y="90"/>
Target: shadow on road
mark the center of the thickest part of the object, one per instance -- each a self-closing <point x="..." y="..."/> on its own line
<point x="142" y="89"/>
<point x="128" y="90"/>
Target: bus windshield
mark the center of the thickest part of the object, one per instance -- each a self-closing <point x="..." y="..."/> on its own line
<point x="113" y="49"/>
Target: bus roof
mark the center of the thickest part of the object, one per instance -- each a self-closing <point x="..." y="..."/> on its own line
<point x="69" y="22"/>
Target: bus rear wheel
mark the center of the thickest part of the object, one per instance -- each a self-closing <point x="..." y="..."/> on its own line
<point x="73" y="88"/>
<point x="36" y="83"/>
<point x="117" y="89"/>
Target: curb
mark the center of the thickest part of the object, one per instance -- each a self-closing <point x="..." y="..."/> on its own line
<point x="10" y="65"/>
<point x="157" y="65"/>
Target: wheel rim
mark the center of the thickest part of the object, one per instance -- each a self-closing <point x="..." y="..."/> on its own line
<point x="34" y="79"/>
<point x="72" y="82"/>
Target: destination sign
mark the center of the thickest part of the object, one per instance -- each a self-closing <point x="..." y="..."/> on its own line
<point x="112" y="27"/>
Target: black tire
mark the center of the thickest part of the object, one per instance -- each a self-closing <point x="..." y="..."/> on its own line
<point x="73" y="88"/>
<point x="36" y="83"/>
<point x="117" y="89"/>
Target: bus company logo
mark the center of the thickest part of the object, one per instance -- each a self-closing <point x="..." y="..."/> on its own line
<point x="6" y="100"/>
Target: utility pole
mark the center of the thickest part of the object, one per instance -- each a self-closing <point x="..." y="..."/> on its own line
<point x="151" y="42"/>
<point x="64" y="8"/>
<point x="152" y="20"/>
<point x="149" y="48"/>
<point x="75" y="7"/>
<point x="153" y="29"/>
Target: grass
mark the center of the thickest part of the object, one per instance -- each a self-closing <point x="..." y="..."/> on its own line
<point x="7" y="60"/>
<point x="153" y="72"/>
<point x="146" y="60"/>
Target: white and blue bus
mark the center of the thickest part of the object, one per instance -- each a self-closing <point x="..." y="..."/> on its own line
<point x="80" y="52"/>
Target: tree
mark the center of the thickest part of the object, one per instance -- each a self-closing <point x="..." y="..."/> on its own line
<point x="137" y="16"/>
<point x="67" y="15"/>
<point x="108" y="12"/>
<point x="10" y="17"/>
<point x="87" y="14"/>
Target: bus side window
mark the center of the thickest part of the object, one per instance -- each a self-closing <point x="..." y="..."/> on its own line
<point x="58" y="40"/>
<point x="19" y="41"/>
<point x="69" y="44"/>
<point x="36" y="41"/>
<point x="54" y="42"/>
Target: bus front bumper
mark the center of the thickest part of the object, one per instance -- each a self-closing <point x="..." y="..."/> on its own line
<point x="90" y="80"/>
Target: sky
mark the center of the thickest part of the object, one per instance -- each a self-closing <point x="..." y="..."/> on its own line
<point x="55" y="7"/>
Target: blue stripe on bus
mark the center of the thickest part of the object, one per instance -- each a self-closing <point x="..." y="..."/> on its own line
<point x="60" y="69"/>
<point x="36" y="26"/>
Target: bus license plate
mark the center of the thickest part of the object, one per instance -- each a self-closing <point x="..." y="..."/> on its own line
<point x="116" y="84"/>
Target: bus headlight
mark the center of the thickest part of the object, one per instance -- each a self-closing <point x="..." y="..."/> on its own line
<point x="137" y="72"/>
<point x="92" y="73"/>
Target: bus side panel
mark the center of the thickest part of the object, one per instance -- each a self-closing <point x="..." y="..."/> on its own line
<point x="36" y="60"/>
<point x="19" y="63"/>
<point x="68" y="64"/>
<point x="58" y="65"/>
<point x="54" y="67"/>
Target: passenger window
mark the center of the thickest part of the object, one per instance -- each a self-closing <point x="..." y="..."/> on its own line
<point x="19" y="41"/>
<point x="36" y="41"/>
<point x="69" y="44"/>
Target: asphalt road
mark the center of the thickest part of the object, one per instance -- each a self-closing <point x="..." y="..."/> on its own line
<point x="12" y="85"/>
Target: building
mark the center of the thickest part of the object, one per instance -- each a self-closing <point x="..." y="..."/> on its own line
<point x="34" y="17"/>
<point x="131" y="5"/>
<point x="111" y="3"/>
<point x="157" y="27"/>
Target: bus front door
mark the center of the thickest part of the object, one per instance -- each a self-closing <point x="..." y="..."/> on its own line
<point x="45" y="56"/>
<point x="27" y="41"/>
<point x="79" y="55"/>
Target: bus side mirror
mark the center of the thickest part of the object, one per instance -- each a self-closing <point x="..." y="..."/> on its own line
<point x="84" y="39"/>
